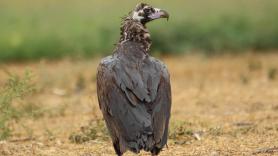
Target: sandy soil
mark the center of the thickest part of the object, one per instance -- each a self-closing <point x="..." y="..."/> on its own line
<point x="226" y="105"/>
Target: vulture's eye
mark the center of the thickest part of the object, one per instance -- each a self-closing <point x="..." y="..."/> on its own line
<point x="148" y="10"/>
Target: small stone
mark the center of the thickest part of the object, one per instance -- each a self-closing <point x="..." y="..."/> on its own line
<point x="214" y="153"/>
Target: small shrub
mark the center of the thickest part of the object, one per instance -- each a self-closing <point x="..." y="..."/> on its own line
<point x="243" y="128"/>
<point x="272" y="73"/>
<point x="80" y="83"/>
<point x="15" y="88"/>
<point x="32" y="110"/>
<point x="216" y="131"/>
<point x="181" y="132"/>
<point x="244" y="79"/>
<point x="254" y="65"/>
<point x="95" y="130"/>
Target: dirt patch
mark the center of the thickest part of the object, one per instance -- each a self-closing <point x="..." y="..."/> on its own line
<point x="221" y="106"/>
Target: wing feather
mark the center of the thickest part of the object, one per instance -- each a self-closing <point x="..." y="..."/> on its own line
<point x="124" y="121"/>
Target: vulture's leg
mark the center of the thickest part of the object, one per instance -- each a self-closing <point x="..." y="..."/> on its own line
<point x="155" y="151"/>
<point x="117" y="149"/>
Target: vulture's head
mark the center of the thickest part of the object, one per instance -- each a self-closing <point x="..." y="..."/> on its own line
<point x="145" y="13"/>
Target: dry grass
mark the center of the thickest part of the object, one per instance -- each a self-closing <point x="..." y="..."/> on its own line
<point x="225" y="105"/>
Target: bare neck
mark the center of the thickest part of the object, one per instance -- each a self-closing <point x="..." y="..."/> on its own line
<point x="132" y="30"/>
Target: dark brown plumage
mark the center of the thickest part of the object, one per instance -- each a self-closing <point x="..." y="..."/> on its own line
<point x="133" y="88"/>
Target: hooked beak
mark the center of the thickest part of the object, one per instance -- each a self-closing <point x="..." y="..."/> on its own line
<point x="159" y="14"/>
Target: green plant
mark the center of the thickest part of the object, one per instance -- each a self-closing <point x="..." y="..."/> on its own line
<point x="96" y="129"/>
<point x="181" y="132"/>
<point x="272" y="73"/>
<point x="31" y="110"/>
<point x="15" y="88"/>
<point x="33" y="30"/>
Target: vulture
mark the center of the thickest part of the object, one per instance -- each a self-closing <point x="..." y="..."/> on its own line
<point x="133" y="88"/>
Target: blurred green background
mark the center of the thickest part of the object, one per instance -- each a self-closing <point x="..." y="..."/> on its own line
<point x="33" y="29"/>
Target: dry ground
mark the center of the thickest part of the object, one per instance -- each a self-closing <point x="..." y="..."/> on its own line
<point x="225" y="105"/>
